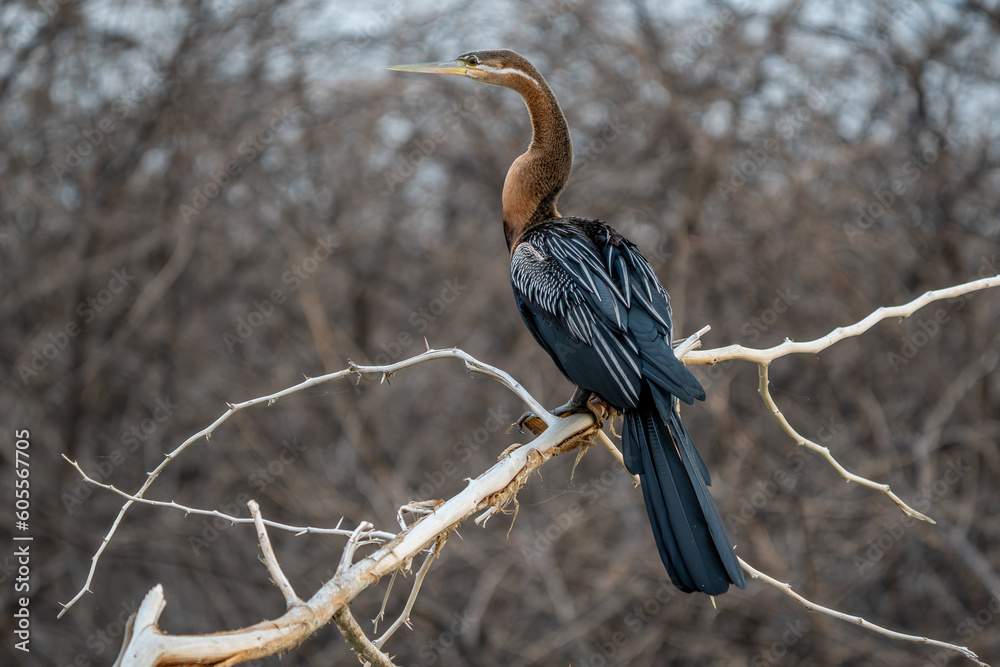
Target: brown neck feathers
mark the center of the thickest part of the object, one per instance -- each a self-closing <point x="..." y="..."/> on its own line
<point x="537" y="177"/>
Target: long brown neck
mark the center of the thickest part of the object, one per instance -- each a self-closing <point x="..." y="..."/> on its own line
<point x="536" y="178"/>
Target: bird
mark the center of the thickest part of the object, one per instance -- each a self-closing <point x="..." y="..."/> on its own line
<point x="594" y="304"/>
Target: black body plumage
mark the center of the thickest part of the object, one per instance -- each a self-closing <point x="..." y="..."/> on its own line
<point x="592" y="301"/>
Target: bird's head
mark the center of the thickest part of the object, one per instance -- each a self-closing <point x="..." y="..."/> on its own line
<point x="499" y="67"/>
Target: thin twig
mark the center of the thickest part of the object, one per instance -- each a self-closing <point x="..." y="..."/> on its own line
<point x="616" y="453"/>
<point x="385" y="601"/>
<point x="404" y="617"/>
<point x="347" y="558"/>
<point x="857" y="620"/>
<point x="270" y="560"/>
<point x="356" y="637"/>
<point x="765" y="393"/>
<point x="374" y="536"/>
<point x="812" y="347"/>
<point x="692" y="342"/>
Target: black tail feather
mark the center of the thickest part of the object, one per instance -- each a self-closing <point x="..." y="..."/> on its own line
<point x="687" y="527"/>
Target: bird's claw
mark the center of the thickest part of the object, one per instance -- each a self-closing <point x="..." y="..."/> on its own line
<point x="535" y="424"/>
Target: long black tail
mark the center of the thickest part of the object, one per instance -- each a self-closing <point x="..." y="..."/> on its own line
<point x="689" y="532"/>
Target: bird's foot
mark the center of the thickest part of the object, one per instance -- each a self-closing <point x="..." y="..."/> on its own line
<point x="534" y="424"/>
<point x="580" y="402"/>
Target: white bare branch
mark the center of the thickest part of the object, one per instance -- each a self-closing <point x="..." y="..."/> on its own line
<point x="857" y="620"/>
<point x="768" y="355"/>
<point x="270" y="560"/>
<point x="764" y="357"/>
<point x="374" y="535"/>
<point x="356" y="637"/>
<point x="404" y="617"/>
<point x="765" y="393"/>
<point x="149" y="646"/>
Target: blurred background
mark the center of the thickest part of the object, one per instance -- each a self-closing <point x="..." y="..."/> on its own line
<point x="202" y="201"/>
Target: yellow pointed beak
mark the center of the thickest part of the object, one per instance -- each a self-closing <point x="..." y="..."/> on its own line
<point x="444" y="67"/>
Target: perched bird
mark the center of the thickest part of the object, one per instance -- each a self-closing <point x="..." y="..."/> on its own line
<point x="592" y="301"/>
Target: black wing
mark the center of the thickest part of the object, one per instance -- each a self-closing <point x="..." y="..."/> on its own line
<point x="594" y="304"/>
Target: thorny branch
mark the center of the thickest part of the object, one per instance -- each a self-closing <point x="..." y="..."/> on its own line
<point x="763" y="358"/>
<point x="471" y="363"/>
<point x="146" y="645"/>
<point x="765" y="393"/>
<point x="270" y="560"/>
<point x="857" y="620"/>
<point x="768" y="355"/>
<point x="356" y="637"/>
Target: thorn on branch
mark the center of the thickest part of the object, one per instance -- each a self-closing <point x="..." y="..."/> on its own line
<point x="857" y="620"/>
<point x="356" y="637"/>
<point x="404" y="617"/>
<point x="418" y="508"/>
<point x="270" y="560"/>
<point x="352" y="545"/>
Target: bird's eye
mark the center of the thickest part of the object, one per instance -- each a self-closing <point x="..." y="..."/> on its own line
<point x="472" y="60"/>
